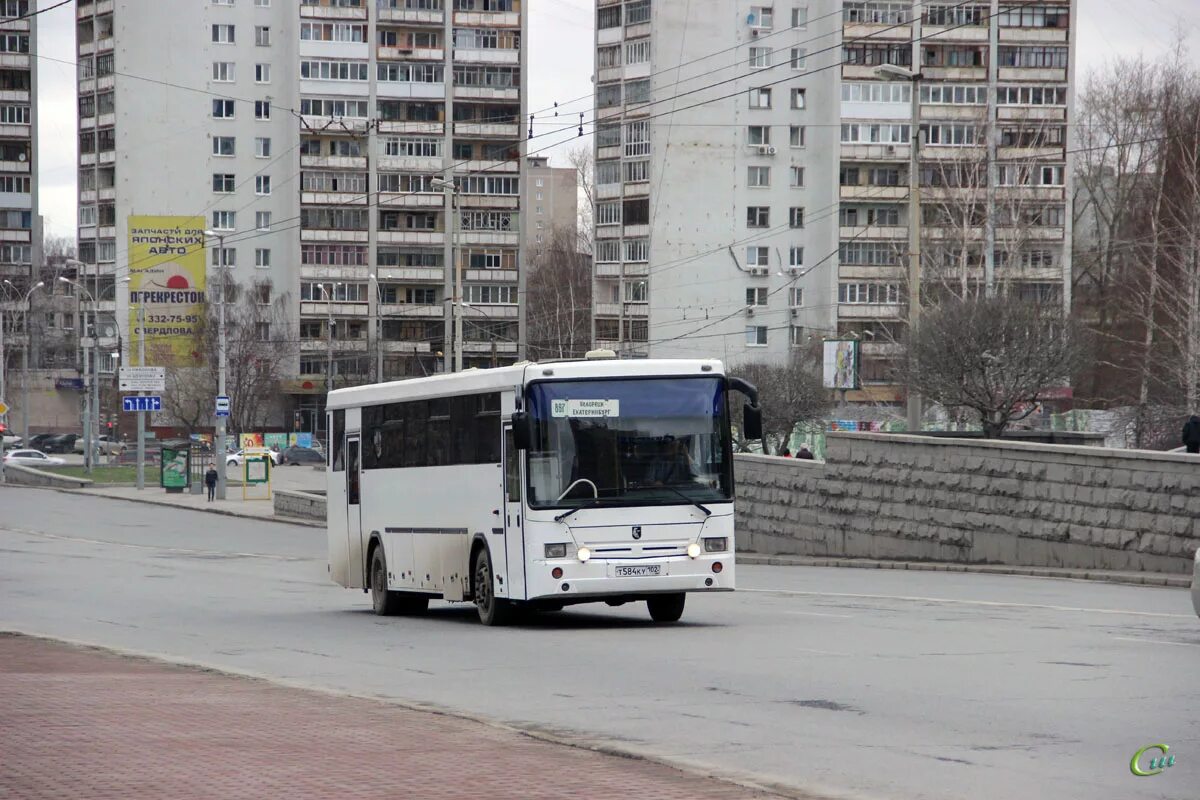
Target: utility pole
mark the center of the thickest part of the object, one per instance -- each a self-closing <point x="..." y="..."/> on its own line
<point x="141" y="420"/>
<point x="456" y="309"/>
<point x="219" y="448"/>
<point x="3" y="370"/>
<point x="25" y="360"/>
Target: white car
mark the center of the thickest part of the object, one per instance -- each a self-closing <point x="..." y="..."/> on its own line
<point x="104" y="444"/>
<point x="32" y="458"/>
<point x="10" y="440"/>
<point x="235" y="459"/>
<point x="1196" y="584"/>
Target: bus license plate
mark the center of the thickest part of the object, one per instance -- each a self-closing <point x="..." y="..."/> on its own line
<point x="639" y="571"/>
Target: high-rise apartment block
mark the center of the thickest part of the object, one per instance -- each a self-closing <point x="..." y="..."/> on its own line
<point x="312" y="137"/>
<point x="551" y="205"/>
<point x="752" y="167"/>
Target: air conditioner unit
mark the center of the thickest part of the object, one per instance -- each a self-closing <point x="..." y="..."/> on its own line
<point x="771" y="150"/>
<point x="891" y="149"/>
<point x="795" y="312"/>
<point x="749" y="311"/>
<point x="754" y="32"/>
<point x="764" y="149"/>
<point x="759" y="271"/>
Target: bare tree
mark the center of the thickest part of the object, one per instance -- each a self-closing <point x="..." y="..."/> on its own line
<point x="790" y="394"/>
<point x="559" y="300"/>
<point x="997" y="356"/>
<point x="259" y="348"/>
<point x="581" y="159"/>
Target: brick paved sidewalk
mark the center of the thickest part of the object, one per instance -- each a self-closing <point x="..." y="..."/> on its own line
<point x="79" y="723"/>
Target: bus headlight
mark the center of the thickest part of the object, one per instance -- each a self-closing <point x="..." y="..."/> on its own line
<point x="693" y="550"/>
<point x="716" y="545"/>
<point x="556" y="551"/>
<point x="584" y="554"/>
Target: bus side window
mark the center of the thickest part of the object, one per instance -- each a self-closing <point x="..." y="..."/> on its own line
<point x="337" y="436"/>
<point x="512" y="467"/>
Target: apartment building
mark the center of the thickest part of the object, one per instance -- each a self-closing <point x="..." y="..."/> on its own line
<point x="995" y="93"/>
<point x="752" y="167"/>
<point x="311" y="145"/>
<point x="714" y="185"/>
<point x="551" y="202"/>
<point x="20" y="229"/>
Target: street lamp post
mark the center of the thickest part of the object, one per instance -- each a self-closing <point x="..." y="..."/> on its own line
<point x="328" y="334"/>
<point x="914" y="222"/>
<point x="378" y="329"/>
<point x="219" y="449"/>
<point x="25" y="360"/>
<point x="448" y="190"/>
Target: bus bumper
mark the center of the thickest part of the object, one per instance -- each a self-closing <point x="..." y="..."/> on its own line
<point x="600" y="578"/>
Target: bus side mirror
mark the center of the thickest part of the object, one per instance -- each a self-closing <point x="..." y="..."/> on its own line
<point x="522" y="435"/>
<point x="752" y="421"/>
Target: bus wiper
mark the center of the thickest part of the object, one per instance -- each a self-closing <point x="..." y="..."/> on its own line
<point x="592" y="503"/>
<point x="707" y="511"/>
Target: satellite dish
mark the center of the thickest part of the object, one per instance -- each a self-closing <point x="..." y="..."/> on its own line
<point x="21" y="157"/>
<point x="110" y="331"/>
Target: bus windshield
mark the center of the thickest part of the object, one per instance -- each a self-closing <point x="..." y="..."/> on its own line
<point x="655" y="441"/>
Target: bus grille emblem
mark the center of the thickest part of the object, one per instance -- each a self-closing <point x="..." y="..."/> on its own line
<point x="637" y="531"/>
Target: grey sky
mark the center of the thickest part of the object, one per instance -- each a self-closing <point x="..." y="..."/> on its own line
<point x="560" y="33"/>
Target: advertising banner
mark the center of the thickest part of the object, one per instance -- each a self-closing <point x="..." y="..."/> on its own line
<point x="247" y="440"/>
<point x="275" y="440"/>
<point x="166" y="282"/>
<point x="841" y="364"/>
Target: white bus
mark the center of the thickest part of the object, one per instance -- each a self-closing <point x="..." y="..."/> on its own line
<point x="538" y="485"/>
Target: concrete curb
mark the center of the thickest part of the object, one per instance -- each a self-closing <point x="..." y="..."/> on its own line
<point x="169" y="504"/>
<point x="1127" y="578"/>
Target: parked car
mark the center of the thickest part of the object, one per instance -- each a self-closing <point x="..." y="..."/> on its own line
<point x="129" y="456"/>
<point x="1196" y="584"/>
<point x="301" y="455"/>
<point x="104" y="444"/>
<point x="32" y="458"/>
<point x="10" y="440"/>
<point x="38" y="441"/>
<point x="62" y="443"/>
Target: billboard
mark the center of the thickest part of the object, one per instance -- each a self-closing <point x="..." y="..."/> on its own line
<point x="166" y="281"/>
<point x="840" y="364"/>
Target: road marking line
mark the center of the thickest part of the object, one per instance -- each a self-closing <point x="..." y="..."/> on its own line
<point x="818" y="614"/>
<point x="952" y="601"/>
<point x="132" y="546"/>
<point x="1156" y="641"/>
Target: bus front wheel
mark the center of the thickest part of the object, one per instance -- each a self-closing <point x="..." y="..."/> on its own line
<point x="492" y="610"/>
<point x="388" y="603"/>
<point x="666" y="607"/>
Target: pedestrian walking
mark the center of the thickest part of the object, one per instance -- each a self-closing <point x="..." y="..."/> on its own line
<point x="805" y="453"/>
<point x="210" y="480"/>
<point x="1191" y="434"/>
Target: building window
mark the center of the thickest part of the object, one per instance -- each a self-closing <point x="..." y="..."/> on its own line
<point x="760" y="98"/>
<point x="758" y="217"/>
<point x="637" y="250"/>
<point x="262" y="257"/>
<point x="262" y="220"/>
<point x="262" y="293"/>
<point x="224" y="220"/>
<point x="799" y="57"/>
<point x="800" y="17"/>
<point x="757" y="256"/>
<point x="799" y="99"/>
<point x="868" y="293"/>
<point x="636" y="171"/>
<point x="609" y="56"/>
<point x="262" y="73"/>
<point x="796" y="256"/>
<point x="756" y="296"/>
<point x="223" y="182"/>
<point x="608" y="251"/>
<point x="758" y="177"/>
<point x="262" y="147"/>
<point x="224" y="257"/>
<point x="222" y="34"/>
<point x="760" y="57"/>
<point x="637" y="92"/>
<point x="637" y="51"/>
<point x="262" y="35"/>
<point x="224" y="146"/>
<point x="222" y="109"/>
<point x="797" y="177"/>
<point x="262" y="3"/>
<point x="637" y="12"/>
<point x="756" y="335"/>
<point x="795" y="297"/>
<point x="608" y="213"/>
<point x="637" y="139"/>
<point x="758" y="135"/>
<point x="796" y="135"/>
<point x="262" y="184"/>
<point x="223" y="71"/>
<point x="795" y="217"/>
<point x="608" y="17"/>
<point x="797" y="337"/>
<point x="333" y="70"/>
<point x="762" y="17"/>
<point x="262" y="109"/>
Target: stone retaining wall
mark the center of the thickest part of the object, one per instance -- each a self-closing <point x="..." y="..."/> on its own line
<point x="303" y="505"/>
<point x="19" y="475"/>
<point x="979" y="502"/>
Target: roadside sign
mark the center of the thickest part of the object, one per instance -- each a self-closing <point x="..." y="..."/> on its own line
<point x="3" y="408"/>
<point x="222" y="406"/>
<point x="150" y="403"/>
<point x="142" y="379"/>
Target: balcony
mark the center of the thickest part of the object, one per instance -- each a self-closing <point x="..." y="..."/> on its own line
<point x="413" y="310"/>
<point x="409" y="126"/>
<point x="608" y="309"/>
<point x="332" y="235"/>
<point x="867" y="192"/>
<point x="407" y="200"/>
<point x="411" y="16"/>
<point x="401" y="346"/>
<point x="608" y="270"/>
<point x="485" y="129"/>
<point x="876" y="31"/>
<point x="339" y="346"/>
<point x="1034" y="35"/>
<point x="1040" y="74"/>
<point x="503" y="348"/>
<point x="332" y="12"/>
<point x="19" y="131"/>
<point x="507" y="201"/>
<point x="352" y="124"/>
<point x="955" y="33"/>
<point x="639" y="310"/>
<point x="512" y="165"/>
<point x="875" y="232"/>
<point x="487" y="55"/>
<point x="487" y="93"/>
<point x="412" y="237"/>
<point x="323" y="272"/>
<point x="333" y="198"/>
<point x="488" y="19"/>
<point x="869" y="310"/>
<point x="334" y="162"/>
<point x="957" y="74"/>
<point x="14" y="60"/>
<point x="423" y="164"/>
<point x="385" y="53"/>
<point x="412" y="274"/>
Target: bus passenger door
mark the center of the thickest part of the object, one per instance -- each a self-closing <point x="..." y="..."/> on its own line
<point x="512" y="541"/>
<point x="353" y="511"/>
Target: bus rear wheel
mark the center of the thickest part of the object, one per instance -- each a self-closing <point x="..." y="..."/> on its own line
<point x="388" y="603"/>
<point x="492" y="610"/>
<point x="666" y="607"/>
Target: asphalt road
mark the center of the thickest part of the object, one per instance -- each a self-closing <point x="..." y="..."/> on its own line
<point x="855" y="683"/>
